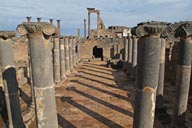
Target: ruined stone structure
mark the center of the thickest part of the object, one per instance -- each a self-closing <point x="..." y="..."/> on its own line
<point x="151" y="75"/>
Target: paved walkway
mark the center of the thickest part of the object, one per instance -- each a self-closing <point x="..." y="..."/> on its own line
<point x="95" y="97"/>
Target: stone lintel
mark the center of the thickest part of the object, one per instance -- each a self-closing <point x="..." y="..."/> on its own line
<point x="36" y="28"/>
<point x="184" y="29"/>
<point x="7" y="34"/>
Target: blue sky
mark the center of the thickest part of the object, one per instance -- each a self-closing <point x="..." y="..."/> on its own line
<point x="113" y="12"/>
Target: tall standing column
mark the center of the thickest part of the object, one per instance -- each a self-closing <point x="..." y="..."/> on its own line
<point x="160" y="87"/>
<point x="130" y="46"/>
<point x="89" y="23"/>
<point x="56" y="59"/>
<point x="134" y="59"/>
<point x="149" y="46"/>
<point x="42" y="70"/>
<point x="183" y="75"/>
<point x="73" y="51"/>
<point x="67" y="62"/>
<point x="98" y="18"/>
<point x="62" y="59"/>
<point x="125" y="49"/>
<point x="71" y="54"/>
<point x="78" y="33"/>
<point x="84" y="28"/>
<point x="10" y="80"/>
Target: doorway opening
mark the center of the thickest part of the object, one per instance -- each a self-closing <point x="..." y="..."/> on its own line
<point x="98" y="52"/>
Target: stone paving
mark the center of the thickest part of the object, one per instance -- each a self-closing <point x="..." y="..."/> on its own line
<point x="95" y="97"/>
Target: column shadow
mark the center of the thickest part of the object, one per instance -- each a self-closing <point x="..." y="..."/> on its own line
<point x="91" y="113"/>
<point x="114" y="107"/>
<point x="64" y="123"/>
<point x="102" y="90"/>
<point x="85" y="72"/>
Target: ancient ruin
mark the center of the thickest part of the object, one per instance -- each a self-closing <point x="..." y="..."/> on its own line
<point x="116" y="77"/>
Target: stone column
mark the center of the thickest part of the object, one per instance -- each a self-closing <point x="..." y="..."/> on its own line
<point x="160" y="87"/>
<point x="125" y="49"/>
<point x="89" y="23"/>
<point x="51" y="21"/>
<point x="56" y="59"/>
<point x="73" y="51"/>
<point x="62" y="59"/>
<point x="67" y="62"/>
<point x="134" y="59"/>
<point x="149" y="46"/>
<point x="28" y="19"/>
<point x="59" y="27"/>
<point x="10" y="80"/>
<point x="130" y="48"/>
<point x="183" y="75"/>
<point x="84" y="28"/>
<point x="98" y="18"/>
<point x="38" y="19"/>
<point x="78" y="33"/>
<point x="71" y="54"/>
<point x="115" y="49"/>
<point x="42" y="69"/>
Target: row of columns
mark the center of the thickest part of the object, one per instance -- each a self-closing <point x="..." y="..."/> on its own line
<point x="65" y="56"/>
<point x="130" y="56"/>
<point x="150" y="71"/>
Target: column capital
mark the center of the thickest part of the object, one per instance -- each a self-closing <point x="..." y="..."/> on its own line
<point x="152" y="28"/>
<point x="184" y="30"/>
<point x="168" y="32"/>
<point x="36" y="28"/>
<point x="7" y="34"/>
<point x="38" y="19"/>
<point x="28" y="18"/>
<point x="51" y="21"/>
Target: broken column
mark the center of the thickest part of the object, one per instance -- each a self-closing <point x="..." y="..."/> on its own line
<point x="56" y="59"/>
<point x="183" y="75"/>
<point x="149" y="46"/>
<point x="62" y="59"/>
<point x="39" y="43"/>
<point x="10" y="80"/>
<point x="67" y="62"/>
<point x="84" y="28"/>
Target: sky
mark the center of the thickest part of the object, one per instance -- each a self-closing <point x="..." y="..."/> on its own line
<point x="113" y="12"/>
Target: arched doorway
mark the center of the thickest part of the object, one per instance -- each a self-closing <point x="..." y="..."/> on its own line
<point x="98" y="52"/>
